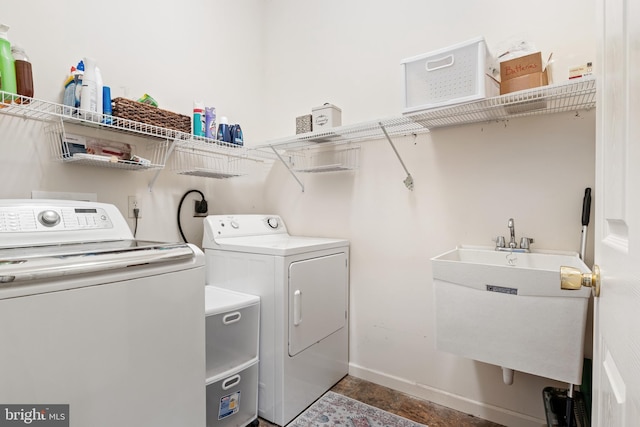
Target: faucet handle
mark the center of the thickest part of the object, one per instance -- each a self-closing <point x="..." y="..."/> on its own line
<point x="525" y="242"/>
<point x="500" y="242"/>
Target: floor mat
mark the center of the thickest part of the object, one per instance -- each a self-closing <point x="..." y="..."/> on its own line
<point x="334" y="409"/>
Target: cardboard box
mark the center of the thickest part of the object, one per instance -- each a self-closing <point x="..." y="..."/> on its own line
<point x="581" y="71"/>
<point x="526" y="81"/>
<point x="521" y="73"/>
<point x="517" y="67"/>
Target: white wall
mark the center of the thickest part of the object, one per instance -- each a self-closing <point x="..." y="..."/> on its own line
<point x="349" y="52"/>
<point x="176" y="52"/>
<point x="469" y="180"/>
<point x="262" y="63"/>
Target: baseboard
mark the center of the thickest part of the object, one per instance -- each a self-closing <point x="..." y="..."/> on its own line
<point x="482" y="410"/>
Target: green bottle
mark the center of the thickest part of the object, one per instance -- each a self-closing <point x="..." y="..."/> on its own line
<point x="7" y="64"/>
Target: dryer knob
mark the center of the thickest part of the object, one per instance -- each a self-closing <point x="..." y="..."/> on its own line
<point x="273" y="222"/>
<point x="49" y="218"/>
<point x="235" y="224"/>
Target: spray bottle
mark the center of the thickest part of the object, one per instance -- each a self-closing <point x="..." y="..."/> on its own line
<point x="89" y="92"/>
<point x="78" y="77"/>
<point x="69" y="97"/>
<point x="7" y="63"/>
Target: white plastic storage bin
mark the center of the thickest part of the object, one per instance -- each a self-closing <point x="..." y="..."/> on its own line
<point x="232" y="400"/>
<point x="458" y="73"/>
<point x="232" y="326"/>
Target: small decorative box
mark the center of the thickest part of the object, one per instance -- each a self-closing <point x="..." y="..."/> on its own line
<point x="303" y="124"/>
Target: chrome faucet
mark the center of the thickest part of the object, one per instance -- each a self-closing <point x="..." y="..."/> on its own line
<point x="512" y="233"/>
<point x="525" y="242"/>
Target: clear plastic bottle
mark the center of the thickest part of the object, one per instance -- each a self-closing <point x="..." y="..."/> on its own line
<point x="7" y="63"/>
<point x="99" y="85"/>
<point x="24" y="73"/>
<point x="89" y="92"/>
<point x="69" y="97"/>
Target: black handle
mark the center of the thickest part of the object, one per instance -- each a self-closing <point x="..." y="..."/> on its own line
<point x="586" y="206"/>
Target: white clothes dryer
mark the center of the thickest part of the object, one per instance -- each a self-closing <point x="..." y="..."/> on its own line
<point x="303" y="285"/>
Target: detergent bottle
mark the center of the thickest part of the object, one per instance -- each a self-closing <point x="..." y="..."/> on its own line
<point x="7" y="63"/>
<point x="24" y="73"/>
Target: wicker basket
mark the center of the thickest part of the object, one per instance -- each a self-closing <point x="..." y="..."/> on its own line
<point x="148" y="114"/>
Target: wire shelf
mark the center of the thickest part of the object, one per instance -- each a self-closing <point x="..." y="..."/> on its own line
<point x="37" y="109"/>
<point x="330" y="159"/>
<point x="578" y="94"/>
<point x="395" y="126"/>
<point x="211" y="159"/>
<point x="92" y="151"/>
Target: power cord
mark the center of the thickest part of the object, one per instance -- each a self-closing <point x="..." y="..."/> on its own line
<point x="136" y="213"/>
<point x="202" y="206"/>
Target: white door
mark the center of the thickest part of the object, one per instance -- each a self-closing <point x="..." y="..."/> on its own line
<point x="317" y="300"/>
<point x="616" y="377"/>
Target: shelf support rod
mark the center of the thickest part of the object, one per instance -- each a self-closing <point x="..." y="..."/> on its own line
<point x="408" y="181"/>
<point x="164" y="163"/>
<point x="287" y="166"/>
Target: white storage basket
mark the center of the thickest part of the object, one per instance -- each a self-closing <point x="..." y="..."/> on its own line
<point x="330" y="159"/>
<point x="232" y="399"/>
<point x="455" y="74"/>
<point x="232" y="324"/>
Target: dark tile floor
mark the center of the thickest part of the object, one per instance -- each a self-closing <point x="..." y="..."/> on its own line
<point x="402" y="404"/>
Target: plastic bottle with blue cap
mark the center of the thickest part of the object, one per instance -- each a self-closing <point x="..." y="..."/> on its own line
<point x="236" y="134"/>
<point x="223" y="130"/>
<point x="78" y="77"/>
<point x="89" y="92"/>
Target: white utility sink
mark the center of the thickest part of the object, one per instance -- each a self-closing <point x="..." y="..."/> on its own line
<point x="507" y="309"/>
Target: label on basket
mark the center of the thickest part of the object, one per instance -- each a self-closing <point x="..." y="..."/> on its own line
<point x="229" y="405"/>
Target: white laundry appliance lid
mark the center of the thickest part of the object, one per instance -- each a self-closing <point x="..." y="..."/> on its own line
<point x="280" y="245"/>
<point x="59" y="240"/>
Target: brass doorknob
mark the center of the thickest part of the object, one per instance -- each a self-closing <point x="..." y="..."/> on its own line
<point x="572" y="279"/>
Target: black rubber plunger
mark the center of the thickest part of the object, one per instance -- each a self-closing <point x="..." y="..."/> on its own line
<point x="586" y="212"/>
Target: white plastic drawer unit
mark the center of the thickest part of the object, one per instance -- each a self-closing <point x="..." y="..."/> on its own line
<point x="232" y="325"/>
<point x="232" y="400"/>
<point x="455" y="74"/>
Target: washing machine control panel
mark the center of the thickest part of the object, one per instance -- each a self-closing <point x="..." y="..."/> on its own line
<point x="25" y="219"/>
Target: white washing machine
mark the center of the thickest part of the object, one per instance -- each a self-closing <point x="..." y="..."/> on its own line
<point x="303" y="285"/>
<point x="97" y="328"/>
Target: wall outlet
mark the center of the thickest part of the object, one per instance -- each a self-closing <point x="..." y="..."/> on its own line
<point x="134" y="204"/>
<point x="201" y="208"/>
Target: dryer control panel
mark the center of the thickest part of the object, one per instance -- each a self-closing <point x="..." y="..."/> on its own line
<point x="222" y="226"/>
